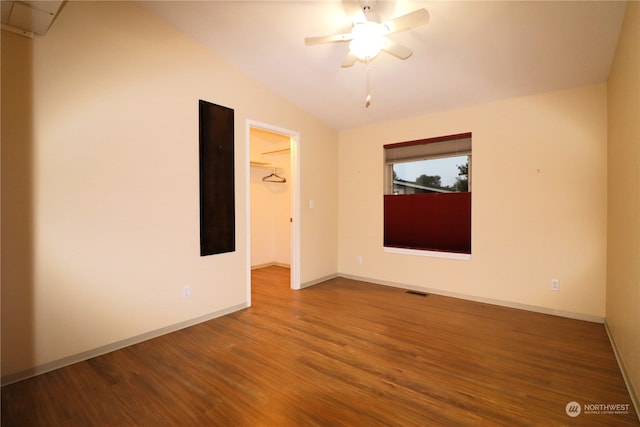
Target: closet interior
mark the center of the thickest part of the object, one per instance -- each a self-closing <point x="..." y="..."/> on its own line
<point x="270" y="155"/>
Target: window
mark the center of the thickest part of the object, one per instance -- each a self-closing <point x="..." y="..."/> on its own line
<point x="427" y="197"/>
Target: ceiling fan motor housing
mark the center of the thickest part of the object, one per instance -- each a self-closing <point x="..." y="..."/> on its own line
<point x="367" y="5"/>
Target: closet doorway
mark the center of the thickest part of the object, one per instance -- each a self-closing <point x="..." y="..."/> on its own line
<point x="273" y="198"/>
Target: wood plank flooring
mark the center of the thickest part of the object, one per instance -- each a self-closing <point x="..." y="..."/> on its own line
<point x="340" y="353"/>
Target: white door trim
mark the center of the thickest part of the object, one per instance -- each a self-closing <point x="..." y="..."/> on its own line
<point x="294" y="179"/>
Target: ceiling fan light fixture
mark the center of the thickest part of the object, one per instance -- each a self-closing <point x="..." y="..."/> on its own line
<point x="368" y="40"/>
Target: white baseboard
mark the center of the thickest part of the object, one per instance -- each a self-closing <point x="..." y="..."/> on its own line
<point x="319" y="280"/>
<point x="80" y="357"/>
<point x="534" y="308"/>
<point x="270" y="264"/>
<point x="635" y="399"/>
<point x="60" y="363"/>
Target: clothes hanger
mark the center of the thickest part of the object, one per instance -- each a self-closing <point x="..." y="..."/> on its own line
<point x="274" y="177"/>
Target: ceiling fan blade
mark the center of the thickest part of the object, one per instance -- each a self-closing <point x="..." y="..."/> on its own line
<point x="349" y="60"/>
<point x="397" y="50"/>
<point x="328" y="39"/>
<point x="410" y="20"/>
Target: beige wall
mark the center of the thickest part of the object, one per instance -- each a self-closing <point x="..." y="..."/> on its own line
<point x="270" y="201"/>
<point x="100" y="218"/>
<point x="538" y="206"/>
<point x="623" y="266"/>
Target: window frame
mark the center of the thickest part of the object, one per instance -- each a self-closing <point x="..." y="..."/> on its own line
<point x="418" y="150"/>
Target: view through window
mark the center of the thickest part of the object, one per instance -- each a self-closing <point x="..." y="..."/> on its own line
<point x="439" y="175"/>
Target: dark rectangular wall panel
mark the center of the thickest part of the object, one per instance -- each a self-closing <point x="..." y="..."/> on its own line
<point x="217" y="189"/>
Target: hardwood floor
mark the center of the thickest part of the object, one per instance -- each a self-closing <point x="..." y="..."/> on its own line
<point x="340" y="353"/>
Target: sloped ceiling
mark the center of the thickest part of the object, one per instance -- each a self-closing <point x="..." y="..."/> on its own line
<point x="471" y="52"/>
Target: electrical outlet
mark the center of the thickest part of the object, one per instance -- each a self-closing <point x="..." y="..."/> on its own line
<point x="555" y="285"/>
<point x="186" y="292"/>
<point x="359" y="259"/>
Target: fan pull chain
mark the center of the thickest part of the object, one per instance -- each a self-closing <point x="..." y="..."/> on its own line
<point x="368" y="99"/>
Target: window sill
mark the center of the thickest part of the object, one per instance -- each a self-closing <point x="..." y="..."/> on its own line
<point x="432" y="254"/>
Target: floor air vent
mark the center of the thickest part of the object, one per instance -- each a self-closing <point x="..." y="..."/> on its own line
<point x="420" y="294"/>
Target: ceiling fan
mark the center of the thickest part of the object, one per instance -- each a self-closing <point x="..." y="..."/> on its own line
<point x="368" y="35"/>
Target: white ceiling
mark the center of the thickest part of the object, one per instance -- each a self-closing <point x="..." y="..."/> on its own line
<point x="471" y="52"/>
